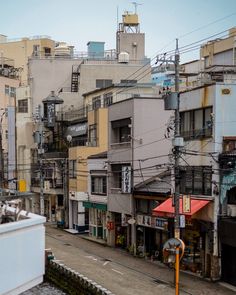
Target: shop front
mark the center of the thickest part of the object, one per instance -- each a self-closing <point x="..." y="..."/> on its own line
<point x="97" y="219"/>
<point x="196" y="232"/>
<point x="151" y="234"/>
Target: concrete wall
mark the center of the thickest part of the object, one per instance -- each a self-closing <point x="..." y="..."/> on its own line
<point x="22" y="245"/>
<point x="150" y="121"/>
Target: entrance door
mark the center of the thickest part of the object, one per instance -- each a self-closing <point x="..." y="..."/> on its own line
<point x="228" y="260"/>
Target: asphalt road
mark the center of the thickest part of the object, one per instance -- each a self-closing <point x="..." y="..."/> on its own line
<point x="120" y="272"/>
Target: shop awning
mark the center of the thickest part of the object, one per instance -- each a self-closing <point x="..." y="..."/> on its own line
<point x="167" y="210"/>
<point x="99" y="206"/>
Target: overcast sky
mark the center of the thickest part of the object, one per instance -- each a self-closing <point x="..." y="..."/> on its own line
<point x="80" y="21"/>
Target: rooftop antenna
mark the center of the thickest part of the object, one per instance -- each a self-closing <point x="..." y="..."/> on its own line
<point x="117" y="16"/>
<point x="136" y="5"/>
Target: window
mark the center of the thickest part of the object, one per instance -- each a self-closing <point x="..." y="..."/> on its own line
<point x="96" y="104"/>
<point x="196" y="124"/>
<point x="7" y="90"/>
<point x="108" y="99"/>
<point x="60" y="200"/>
<point x="22" y="106"/>
<point x="229" y="145"/>
<point x="99" y="185"/>
<point x="102" y="83"/>
<point x="121" y="131"/>
<point x="195" y="180"/>
<point x="36" y="50"/>
<point x="12" y="92"/>
<point x="72" y="169"/>
<point x="92" y="136"/>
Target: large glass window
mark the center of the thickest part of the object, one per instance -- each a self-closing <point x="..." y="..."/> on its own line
<point x="196" y="180"/>
<point x="196" y="124"/>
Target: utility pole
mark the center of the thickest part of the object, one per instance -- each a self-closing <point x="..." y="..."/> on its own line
<point x="40" y="154"/>
<point x="172" y="102"/>
<point x="177" y="144"/>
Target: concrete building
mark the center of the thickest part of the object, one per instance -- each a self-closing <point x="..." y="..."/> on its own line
<point x="22" y="241"/>
<point x="21" y="49"/>
<point x="8" y="85"/>
<point x="137" y="149"/>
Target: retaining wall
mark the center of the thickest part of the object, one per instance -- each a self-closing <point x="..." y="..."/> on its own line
<point x="72" y="282"/>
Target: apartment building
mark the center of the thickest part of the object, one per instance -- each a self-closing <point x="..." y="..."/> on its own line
<point x="8" y="84"/>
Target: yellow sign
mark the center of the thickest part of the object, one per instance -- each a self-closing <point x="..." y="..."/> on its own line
<point x="186" y="204"/>
<point x="22" y="185"/>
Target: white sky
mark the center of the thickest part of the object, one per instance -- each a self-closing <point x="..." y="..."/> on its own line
<point x="80" y="21"/>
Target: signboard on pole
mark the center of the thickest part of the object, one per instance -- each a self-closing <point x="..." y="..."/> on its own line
<point x="186" y="204"/>
<point x="126" y="179"/>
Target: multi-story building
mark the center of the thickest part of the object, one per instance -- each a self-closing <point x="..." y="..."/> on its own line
<point x="138" y="149"/>
<point x="8" y="84"/>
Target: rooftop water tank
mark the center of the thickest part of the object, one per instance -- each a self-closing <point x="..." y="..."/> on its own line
<point x="123" y="57"/>
<point x="62" y="49"/>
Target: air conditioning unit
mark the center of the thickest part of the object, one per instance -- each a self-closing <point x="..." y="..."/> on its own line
<point x="231" y="210"/>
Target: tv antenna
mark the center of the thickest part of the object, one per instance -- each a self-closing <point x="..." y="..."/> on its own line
<point x="136" y="5"/>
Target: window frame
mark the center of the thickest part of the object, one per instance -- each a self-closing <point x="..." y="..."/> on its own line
<point x="188" y="176"/>
<point x="187" y="128"/>
<point x="98" y="185"/>
<point x="72" y="169"/>
<point x="24" y="108"/>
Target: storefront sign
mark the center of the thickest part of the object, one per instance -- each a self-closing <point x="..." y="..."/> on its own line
<point x="124" y="220"/>
<point x="110" y="225"/>
<point x="77" y="129"/>
<point x="182" y="221"/>
<point x="126" y="179"/>
<point x="186" y="204"/>
<point x="144" y="220"/>
<point x="161" y="223"/>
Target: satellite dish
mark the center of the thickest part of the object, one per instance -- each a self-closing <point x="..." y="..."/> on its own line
<point x="131" y="221"/>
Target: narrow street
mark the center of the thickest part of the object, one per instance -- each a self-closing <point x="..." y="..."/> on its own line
<point x="120" y="272"/>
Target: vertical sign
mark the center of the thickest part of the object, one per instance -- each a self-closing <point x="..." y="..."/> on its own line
<point x="126" y="179"/>
<point x="186" y="204"/>
<point x="182" y="221"/>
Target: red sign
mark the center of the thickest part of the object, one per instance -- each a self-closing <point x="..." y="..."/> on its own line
<point x="110" y="225"/>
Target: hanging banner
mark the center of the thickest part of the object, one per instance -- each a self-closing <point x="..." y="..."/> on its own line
<point x="126" y="179"/>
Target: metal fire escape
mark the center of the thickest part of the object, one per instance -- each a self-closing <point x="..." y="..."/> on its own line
<point x="75" y="78"/>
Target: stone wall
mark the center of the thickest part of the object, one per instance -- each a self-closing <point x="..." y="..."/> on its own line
<point x="72" y="282"/>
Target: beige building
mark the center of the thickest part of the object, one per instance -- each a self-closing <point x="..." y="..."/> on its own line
<point x="8" y="86"/>
<point x="21" y="49"/>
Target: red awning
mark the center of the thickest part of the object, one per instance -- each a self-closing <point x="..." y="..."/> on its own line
<point x="166" y="209"/>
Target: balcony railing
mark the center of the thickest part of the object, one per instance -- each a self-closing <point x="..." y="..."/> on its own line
<point x="73" y="115"/>
<point x="54" y="182"/>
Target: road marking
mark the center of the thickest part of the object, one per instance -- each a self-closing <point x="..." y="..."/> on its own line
<point x="91" y="257"/>
<point x="117" y="271"/>
<point x="105" y="263"/>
